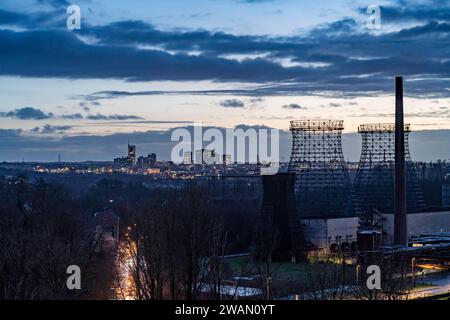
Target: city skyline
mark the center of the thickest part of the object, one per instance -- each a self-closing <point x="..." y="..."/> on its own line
<point x="425" y="146"/>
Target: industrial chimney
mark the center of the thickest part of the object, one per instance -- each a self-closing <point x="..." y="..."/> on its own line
<point x="400" y="223"/>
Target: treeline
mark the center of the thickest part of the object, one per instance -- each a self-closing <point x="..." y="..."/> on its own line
<point x="174" y="242"/>
<point x="42" y="231"/>
<point x="180" y="234"/>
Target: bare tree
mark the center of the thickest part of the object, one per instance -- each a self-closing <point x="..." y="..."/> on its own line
<point x="175" y="244"/>
<point x="266" y="243"/>
<point x="42" y="232"/>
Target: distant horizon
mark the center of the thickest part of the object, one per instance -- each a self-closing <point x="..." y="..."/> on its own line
<point x="425" y="146"/>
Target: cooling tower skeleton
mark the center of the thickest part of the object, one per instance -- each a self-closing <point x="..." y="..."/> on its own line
<point x="322" y="183"/>
<point x="374" y="182"/>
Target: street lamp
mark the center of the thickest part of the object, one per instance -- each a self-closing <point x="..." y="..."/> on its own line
<point x="357" y="274"/>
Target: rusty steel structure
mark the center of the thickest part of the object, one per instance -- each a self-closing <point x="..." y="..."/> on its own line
<point x="322" y="183"/>
<point x="374" y="181"/>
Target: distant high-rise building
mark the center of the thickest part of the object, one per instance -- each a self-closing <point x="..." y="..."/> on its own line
<point x="128" y="161"/>
<point x="124" y="162"/>
<point x="146" y="162"/>
<point x="132" y="153"/>
<point x="151" y="158"/>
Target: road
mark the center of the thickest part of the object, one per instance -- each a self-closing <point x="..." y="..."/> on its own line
<point x="440" y="282"/>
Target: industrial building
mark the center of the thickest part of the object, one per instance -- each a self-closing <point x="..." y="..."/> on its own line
<point x="446" y="193"/>
<point x="374" y="181"/>
<point x="417" y="223"/>
<point x="280" y="222"/>
<point x="384" y="206"/>
<point x="322" y="184"/>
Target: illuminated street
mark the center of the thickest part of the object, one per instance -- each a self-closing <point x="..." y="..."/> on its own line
<point x="126" y="289"/>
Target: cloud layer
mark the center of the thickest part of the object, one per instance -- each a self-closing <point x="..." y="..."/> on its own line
<point x="232" y="103"/>
<point x="30" y="113"/>
<point x="341" y="57"/>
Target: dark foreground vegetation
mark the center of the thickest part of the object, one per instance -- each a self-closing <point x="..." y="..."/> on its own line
<point x="44" y="228"/>
<point x="174" y="243"/>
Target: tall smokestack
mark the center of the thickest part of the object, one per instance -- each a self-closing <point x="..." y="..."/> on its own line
<point x="400" y="223"/>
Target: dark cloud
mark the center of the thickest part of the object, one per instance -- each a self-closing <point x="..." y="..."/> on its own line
<point x="335" y="29"/>
<point x="338" y="58"/>
<point x="293" y="106"/>
<point x="334" y="104"/>
<point x="55" y="3"/>
<point x="7" y="133"/>
<point x="49" y="17"/>
<point x="27" y="113"/>
<point x="76" y="59"/>
<point x="172" y="122"/>
<point x="30" y="113"/>
<point x="409" y="11"/>
<point x="74" y="116"/>
<point x="232" y="103"/>
<point x="99" y="116"/>
<point x="199" y="15"/>
<point x="47" y="129"/>
<point x="11" y="18"/>
<point x="256" y="100"/>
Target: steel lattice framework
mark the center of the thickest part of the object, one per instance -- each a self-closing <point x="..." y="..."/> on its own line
<point x="322" y="183"/>
<point x="374" y="181"/>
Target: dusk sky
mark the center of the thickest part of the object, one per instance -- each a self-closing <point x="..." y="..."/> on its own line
<point x="138" y="68"/>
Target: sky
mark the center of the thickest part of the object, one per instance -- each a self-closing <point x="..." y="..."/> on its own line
<point x="137" y="69"/>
